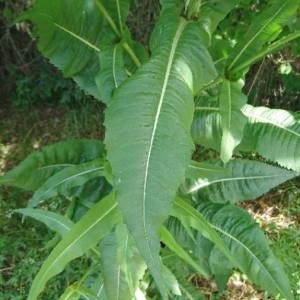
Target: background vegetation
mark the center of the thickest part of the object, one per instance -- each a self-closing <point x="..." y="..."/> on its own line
<point x="38" y="107"/>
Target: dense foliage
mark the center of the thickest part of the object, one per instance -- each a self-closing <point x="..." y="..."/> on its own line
<point x="143" y="211"/>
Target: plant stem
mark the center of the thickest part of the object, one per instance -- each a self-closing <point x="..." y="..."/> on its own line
<point x="129" y="50"/>
<point x="108" y="18"/>
<point x="210" y="84"/>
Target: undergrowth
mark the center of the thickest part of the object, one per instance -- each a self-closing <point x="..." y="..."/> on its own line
<point x="23" y="244"/>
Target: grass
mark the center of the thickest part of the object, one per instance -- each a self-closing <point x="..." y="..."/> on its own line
<point x="23" y="244"/>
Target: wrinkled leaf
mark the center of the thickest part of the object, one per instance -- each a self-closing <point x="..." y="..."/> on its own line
<point x="274" y="134"/>
<point x="155" y="115"/>
<point x="249" y="246"/>
<point x="245" y="180"/>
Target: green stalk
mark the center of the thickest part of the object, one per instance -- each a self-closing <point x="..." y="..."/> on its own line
<point x="108" y="18"/>
<point x="210" y="84"/>
<point x="129" y="50"/>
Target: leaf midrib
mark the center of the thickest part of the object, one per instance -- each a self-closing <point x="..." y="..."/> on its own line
<point x="250" y="252"/>
<point x="45" y="274"/>
<point x="70" y="178"/>
<point x="227" y="127"/>
<point x="199" y="186"/>
<point x="266" y="120"/>
<point x="265" y="25"/>
<point x="76" y="36"/>
<point x="180" y="28"/>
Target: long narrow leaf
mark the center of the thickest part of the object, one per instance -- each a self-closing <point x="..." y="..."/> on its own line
<point x="53" y="221"/>
<point x="85" y="234"/>
<point x="71" y="34"/>
<point x="156" y="105"/>
<point x="115" y="283"/>
<point x="265" y="127"/>
<point x="231" y="101"/>
<point x="122" y="265"/>
<point x="67" y="179"/>
<point x="245" y="180"/>
<point x="168" y="239"/>
<point x="263" y="29"/>
<point x="42" y="164"/>
<point x="131" y="261"/>
<point x="190" y="217"/>
<point x="274" y="47"/>
<point x="249" y="246"/>
<point x="113" y="71"/>
<point x="274" y="134"/>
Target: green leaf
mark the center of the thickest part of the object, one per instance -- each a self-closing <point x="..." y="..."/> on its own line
<point x="275" y="127"/>
<point x="75" y="292"/>
<point x="130" y="260"/>
<point x="121" y="264"/>
<point x="168" y="239"/>
<point x="53" y="221"/>
<point x="112" y="70"/>
<point x="70" y="35"/>
<point x="233" y="121"/>
<point x="206" y="128"/>
<point x="98" y="287"/>
<point x="115" y="12"/>
<point x="73" y="45"/>
<point x="115" y="283"/>
<point x="220" y="267"/>
<point x="65" y="180"/>
<point x="84" y="235"/>
<point x="265" y="127"/>
<point x="205" y="254"/>
<point x="249" y="246"/>
<point x="245" y="180"/>
<point x="42" y="164"/>
<point x="274" y="47"/>
<point x="204" y="170"/>
<point x="156" y="105"/>
<point x="190" y="217"/>
<point x="179" y="269"/>
<point x="265" y="28"/>
<point x="212" y="12"/>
